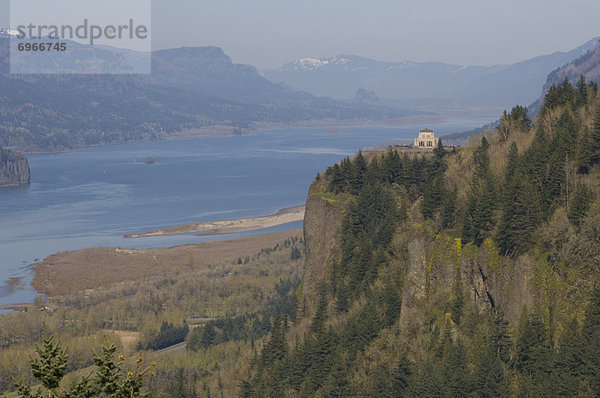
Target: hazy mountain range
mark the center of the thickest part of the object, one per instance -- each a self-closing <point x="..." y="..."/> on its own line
<point x="425" y="83"/>
<point x="190" y="89"/>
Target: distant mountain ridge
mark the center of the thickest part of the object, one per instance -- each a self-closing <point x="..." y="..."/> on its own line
<point x="587" y="65"/>
<point x="420" y="82"/>
<point x="210" y="71"/>
<point x="191" y="90"/>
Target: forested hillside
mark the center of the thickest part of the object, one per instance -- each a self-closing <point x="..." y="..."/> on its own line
<point x="470" y="272"/>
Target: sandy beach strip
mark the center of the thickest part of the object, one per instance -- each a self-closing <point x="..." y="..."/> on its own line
<point x="283" y="216"/>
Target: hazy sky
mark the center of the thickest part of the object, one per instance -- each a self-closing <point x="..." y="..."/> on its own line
<point x="269" y="33"/>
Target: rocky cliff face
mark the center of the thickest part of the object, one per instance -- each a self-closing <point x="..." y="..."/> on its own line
<point x="432" y="263"/>
<point x="322" y="225"/>
<point x="14" y="169"/>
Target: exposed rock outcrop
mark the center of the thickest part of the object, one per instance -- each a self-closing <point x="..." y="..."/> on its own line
<point x="14" y="169"/>
<point x="322" y="226"/>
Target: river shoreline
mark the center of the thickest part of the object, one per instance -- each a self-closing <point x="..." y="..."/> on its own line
<point x="283" y="216"/>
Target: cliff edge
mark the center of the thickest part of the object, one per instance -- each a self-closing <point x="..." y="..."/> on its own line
<point x="14" y="169"/>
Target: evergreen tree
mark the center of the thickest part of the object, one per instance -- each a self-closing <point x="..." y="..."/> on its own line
<point x="109" y="378"/>
<point x="208" y="335"/>
<point x="512" y="163"/>
<point x="51" y="366"/>
<point x="427" y="381"/>
<point x="583" y="155"/>
<point x="391" y="303"/>
<point x="568" y="366"/>
<point x="323" y="358"/>
<point x="449" y="208"/>
<point x="320" y="315"/>
<point x="590" y="334"/>
<point x="516" y="120"/>
<point x="358" y="173"/>
<point x="276" y="348"/>
<point x="337" y="384"/>
<point x="433" y="197"/>
<point x="402" y="375"/>
<point x="479" y="218"/>
<point x="489" y="378"/>
<point x="594" y="139"/>
<point x="455" y="371"/>
<point x="392" y="168"/>
<point x="381" y="383"/>
<point x="580" y="204"/>
<point x="336" y="180"/>
<point x="560" y="95"/>
<point x="533" y="357"/>
<point x="582" y="92"/>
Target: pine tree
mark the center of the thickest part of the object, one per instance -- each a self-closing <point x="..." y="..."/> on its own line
<point x="449" y="208"/>
<point x="337" y="384"/>
<point x="208" y="335"/>
<point x="479" y="218"/>
<point x="569" y="361"/>
<point x="390" y="303"/>
<point x="533" y="357"/>
<point x="433" y="197"/>
<point x="51" y="366"/>
<point x="276" y="348"/>
<point x="381" y="383"/>
<point x="336" y="179"/>
<point x="427" y="381"/>
<point x="455" y="371"/>
<point x="109" y="378"/>
<point x="590" y="334"/>
<point x="402" y="375"/>
<point x="392" y="168"/>
<point x="583" y="154"/>
<point x="323" y="358"/>
<point x="594" y="139"/>
<point x="580" y="204"/>
<point x="489" y="379"/>
<point x="512" y="162"/>
<point x="358" y="173"/>
<point x="320" y="315"/>
<point x="582" y="92"/>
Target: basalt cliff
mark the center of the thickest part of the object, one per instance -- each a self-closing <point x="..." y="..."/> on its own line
<point x="14" y="169"/>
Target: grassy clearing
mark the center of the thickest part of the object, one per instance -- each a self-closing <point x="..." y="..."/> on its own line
<point x="327" y="196"/>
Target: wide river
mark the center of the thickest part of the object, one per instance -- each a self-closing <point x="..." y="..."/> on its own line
<point x="91" y="197"/>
